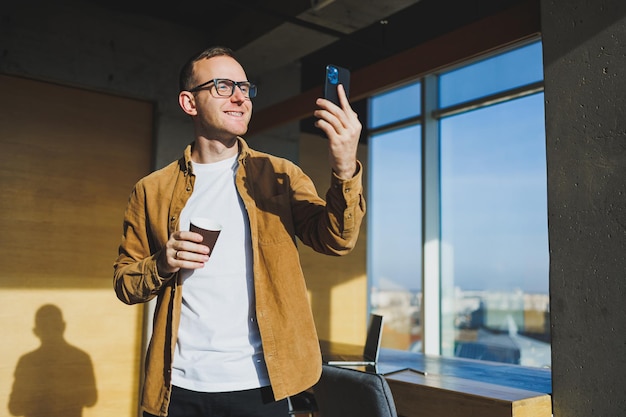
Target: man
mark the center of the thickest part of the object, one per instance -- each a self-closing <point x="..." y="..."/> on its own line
<point x="233" y="333"/>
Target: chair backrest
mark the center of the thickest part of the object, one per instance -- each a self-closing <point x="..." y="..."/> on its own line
<point x="343" y="392"/>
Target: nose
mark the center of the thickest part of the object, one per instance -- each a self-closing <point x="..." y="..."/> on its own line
<point x="238" y="95"/>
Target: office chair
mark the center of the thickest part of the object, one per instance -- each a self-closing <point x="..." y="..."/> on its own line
<point x="344" y="392"/>
<point x="302" y="403"/>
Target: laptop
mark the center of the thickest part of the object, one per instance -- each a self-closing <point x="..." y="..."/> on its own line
<point x="369" y="354"/>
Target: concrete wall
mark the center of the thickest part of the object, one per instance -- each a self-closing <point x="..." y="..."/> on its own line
<point x="585" y="81"/>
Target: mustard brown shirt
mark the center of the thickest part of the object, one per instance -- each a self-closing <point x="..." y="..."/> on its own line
<point x="282" y="204"/>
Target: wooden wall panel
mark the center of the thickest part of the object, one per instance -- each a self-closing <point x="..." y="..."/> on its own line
<point x="68" y="161"/>
<point x="337" y="285"/>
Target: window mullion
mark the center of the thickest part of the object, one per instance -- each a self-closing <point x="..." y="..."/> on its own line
<point x="431" y="227"/>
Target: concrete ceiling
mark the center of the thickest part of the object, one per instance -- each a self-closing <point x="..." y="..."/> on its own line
<point x="272" y="33"/>
<point x="269" y="34"/>
<point x="323" y="23"/>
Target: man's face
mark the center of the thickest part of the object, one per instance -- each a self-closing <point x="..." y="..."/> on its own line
<point x="221" y="117"/>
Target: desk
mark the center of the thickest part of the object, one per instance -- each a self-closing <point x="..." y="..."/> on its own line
<point x="456" y="387"/>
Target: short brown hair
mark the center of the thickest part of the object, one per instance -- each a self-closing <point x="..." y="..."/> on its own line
<point x="186" y="73"/>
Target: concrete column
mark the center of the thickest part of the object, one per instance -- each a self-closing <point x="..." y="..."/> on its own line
<point x="585" y="81"/>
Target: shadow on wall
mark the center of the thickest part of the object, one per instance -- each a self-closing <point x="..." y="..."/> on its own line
<point x="55" y="380"/>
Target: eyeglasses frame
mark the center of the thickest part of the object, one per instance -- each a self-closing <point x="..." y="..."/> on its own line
<point x="251" y="87"/>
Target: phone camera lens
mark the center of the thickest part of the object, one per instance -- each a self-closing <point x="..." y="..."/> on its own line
<point x="333" y="75"/>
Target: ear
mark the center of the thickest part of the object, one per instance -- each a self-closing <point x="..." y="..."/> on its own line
<point x="187" y="102"/>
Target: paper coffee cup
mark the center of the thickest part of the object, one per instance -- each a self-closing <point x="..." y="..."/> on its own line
<point x="208" y="228"/>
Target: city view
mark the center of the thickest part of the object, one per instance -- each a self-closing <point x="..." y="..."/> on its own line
<point x="510" y="327"/>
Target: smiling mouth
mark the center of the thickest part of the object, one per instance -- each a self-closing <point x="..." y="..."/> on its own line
<point x="234" y="113"/>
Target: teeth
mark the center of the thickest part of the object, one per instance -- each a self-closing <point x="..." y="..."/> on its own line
<point x="235" y="113"/>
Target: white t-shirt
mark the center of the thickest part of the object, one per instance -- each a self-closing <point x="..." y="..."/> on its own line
<point x="219" y="346"/>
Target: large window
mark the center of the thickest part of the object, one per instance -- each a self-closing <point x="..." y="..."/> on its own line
<point x="458" y="241"/>
<point x="396" y="273"/>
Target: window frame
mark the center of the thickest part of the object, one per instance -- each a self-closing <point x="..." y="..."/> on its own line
<point x="430" y="117"/>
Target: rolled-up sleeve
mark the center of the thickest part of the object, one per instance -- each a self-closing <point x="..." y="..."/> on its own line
<point x="331" y="226"/>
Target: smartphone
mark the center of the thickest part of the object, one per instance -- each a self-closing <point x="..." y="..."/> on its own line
<point x="336" y="75"/>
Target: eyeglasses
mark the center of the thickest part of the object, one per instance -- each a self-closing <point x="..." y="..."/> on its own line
<point x="226" y="88"/>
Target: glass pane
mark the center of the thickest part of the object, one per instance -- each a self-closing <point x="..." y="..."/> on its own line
<point x="509" y="70"/>
<point x="394" y="234"/>
<point x="495" y="234"/>
<point x="395" y="105"/>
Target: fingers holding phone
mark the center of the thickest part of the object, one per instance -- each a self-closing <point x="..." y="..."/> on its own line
<point x="338" y="121"/>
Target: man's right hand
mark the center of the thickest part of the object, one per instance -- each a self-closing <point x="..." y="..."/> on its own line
<point x="182" y="250"/>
